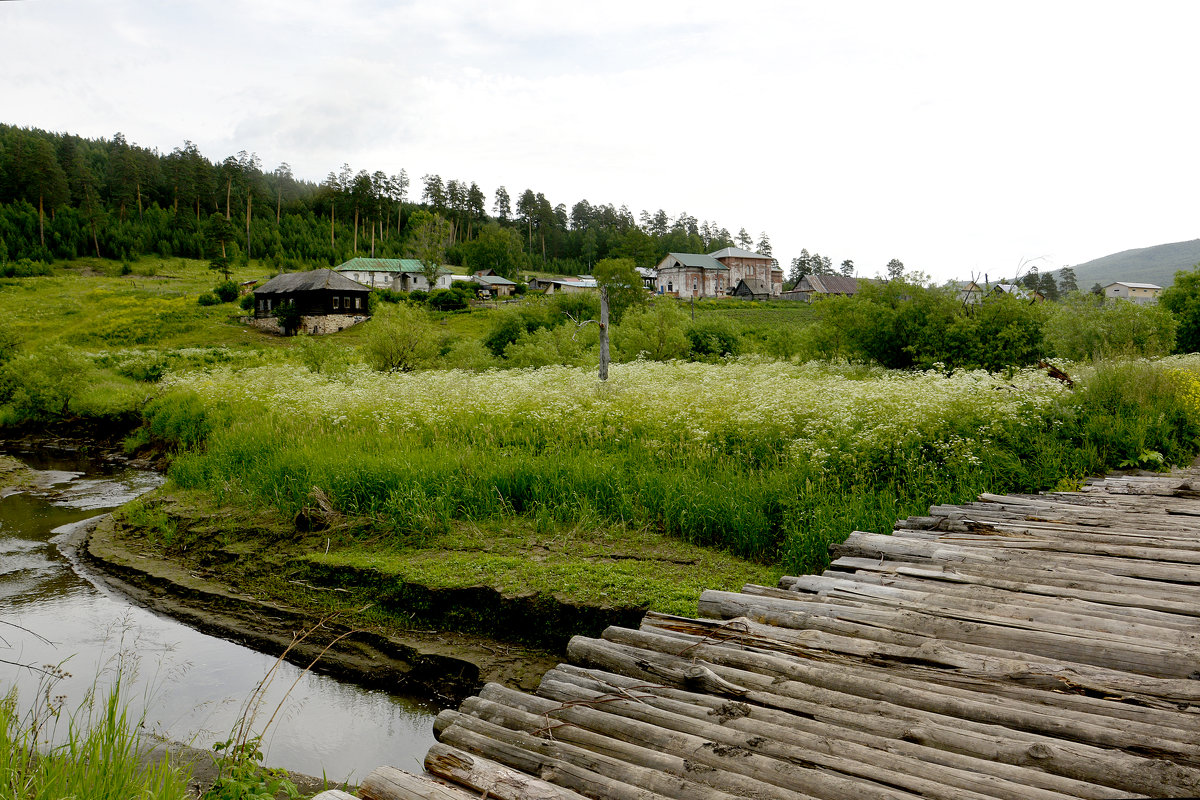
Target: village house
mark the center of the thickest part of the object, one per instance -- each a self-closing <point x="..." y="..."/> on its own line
<point x="495" y="285"/>
<point x="1141" y="293"/>
<point x="811" y="287"/>
<point x="716" y="274"/>
<point x="397" y="274"/>
<point x="327" y="301"/>
<point x="568" y="284"/>
<point x="1019" y="292"/>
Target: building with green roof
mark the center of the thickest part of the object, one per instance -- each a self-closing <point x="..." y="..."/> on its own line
<point x="397" y="274"/>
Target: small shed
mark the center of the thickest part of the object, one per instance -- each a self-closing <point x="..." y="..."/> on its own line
<point x="493" y="284"/>
<point x="813" y="286"/>
<point x="752" y="289"/>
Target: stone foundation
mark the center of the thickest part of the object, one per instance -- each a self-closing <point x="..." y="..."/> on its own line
<point x="313" y="326"/>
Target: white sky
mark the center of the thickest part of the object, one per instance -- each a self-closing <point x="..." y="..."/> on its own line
<point x="959" y="137"/>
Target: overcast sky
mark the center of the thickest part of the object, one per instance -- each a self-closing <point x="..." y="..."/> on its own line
<point x="959" y="137"/>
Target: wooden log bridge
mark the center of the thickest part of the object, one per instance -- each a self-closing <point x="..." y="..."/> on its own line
<point x="1017" y="647"/>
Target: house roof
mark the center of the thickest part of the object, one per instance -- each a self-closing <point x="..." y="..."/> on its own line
<point x="828" y="284"/>
<point x="492" y="280"/>
<point x="696" y="260"/>
<point x="1129" y="285"/>
<point x="408" y="265"/>
<point x="309" y="281"/>
<point x="753" y="285"/>
<point x="737" y="252"/>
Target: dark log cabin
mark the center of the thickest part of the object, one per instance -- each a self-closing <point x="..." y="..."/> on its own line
<point x="315" y="293"/>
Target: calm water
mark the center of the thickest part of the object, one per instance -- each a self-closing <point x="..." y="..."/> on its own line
<point x="190" y="686"/>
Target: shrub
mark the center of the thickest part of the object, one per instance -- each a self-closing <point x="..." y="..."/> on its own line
<point x="714" y="338"/>
<point x="247" y="302"/>
<point x="400" y="339"/>
<point x="657" y="332"/>
<point x="448" y="300"/>
<point x="227" y="291"/>
<point x="209" y="299"/>
<point x="289" y="317"/>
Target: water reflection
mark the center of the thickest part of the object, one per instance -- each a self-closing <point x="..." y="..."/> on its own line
<point x="190" y="686"/>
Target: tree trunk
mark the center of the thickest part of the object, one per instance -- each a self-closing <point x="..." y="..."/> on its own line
<point x="278" y="204"/>
<point x="41" y="222"/>
<point x="228" y="194"/>
<point x="249" y="201"/>
<point x="138" y="187"/>
<point x="332" y="211"/>
<point x="604" y="333"/>
<point x="372" y="239"/>
<point x="355" y="248"/>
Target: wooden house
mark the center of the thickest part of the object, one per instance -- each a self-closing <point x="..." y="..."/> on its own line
<point x="326" y="300"/>
<point x="752" y="289"/>
<point x="811" y="287"/>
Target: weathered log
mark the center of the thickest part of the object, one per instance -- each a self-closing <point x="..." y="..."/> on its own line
<point x="1155" y="701"/>
<point x="651" y="768"/>
<point x="338" y="794"/>
<point x="1125" y="653"/>
<point x="1181" y="616"/>
<point x="389" y="783"/>
<point x="1081" y="718"/>
<point x="781" y="739"/>
<point x="1063" y="614"/>
<point x="499" y="768"/>
<point x="1052" y="582"/>
<point x="1004" y="780"/>
<point x="875" y="545"/>
<point x="754" y="757"/>
<point x="1075" y="760"/>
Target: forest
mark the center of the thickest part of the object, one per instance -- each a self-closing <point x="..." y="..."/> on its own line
<point x="63" y="196"/>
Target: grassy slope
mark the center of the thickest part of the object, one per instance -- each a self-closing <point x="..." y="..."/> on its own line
<point x="1156" y="264"/>
<point x="89" y="305"/>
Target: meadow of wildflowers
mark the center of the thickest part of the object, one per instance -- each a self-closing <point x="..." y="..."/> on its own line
<point x="769" y="460"/>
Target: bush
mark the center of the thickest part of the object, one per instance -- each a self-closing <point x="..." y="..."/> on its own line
<point x="400" y="339"/>
<point x="25" y="268"/>
<point x="449" y="300"/>
<point x="657" y="332"/>
<point x="227" y="291"/>
<point x="1086" y="327"/>
<point x="247" y="302"/>
<point x="714" y="338"/>
<point x="209" y="299"/>
<point x="41" y="384"/>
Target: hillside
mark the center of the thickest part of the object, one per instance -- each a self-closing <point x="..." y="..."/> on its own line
<point x="1156" y="264"/>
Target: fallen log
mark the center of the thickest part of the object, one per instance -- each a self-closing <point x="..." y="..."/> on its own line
<point x="389" y="783"/>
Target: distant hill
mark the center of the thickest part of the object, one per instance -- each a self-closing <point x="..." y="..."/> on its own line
<point x="1156" y="264"/>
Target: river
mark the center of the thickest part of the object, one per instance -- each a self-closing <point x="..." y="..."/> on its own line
<point x="190" y="687"/>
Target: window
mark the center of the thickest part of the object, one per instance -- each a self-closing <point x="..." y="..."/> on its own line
<point x="335" y="302"/>
<point x="346" y="303"/>
<point x="358" y="302"/>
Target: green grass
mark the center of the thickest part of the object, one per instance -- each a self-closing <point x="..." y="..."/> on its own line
<point x="100" y="756"/>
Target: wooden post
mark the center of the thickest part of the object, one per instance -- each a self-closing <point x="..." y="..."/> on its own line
<point x="603" y="333"/>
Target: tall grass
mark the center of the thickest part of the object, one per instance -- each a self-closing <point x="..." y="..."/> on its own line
<point x="768" y="460"/>
<point x="100" y="757"/>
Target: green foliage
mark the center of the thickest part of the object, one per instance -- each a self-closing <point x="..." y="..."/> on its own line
<point x="319" y="354"/>
<point x="427" y="237"/>
<point x="401" y="338"/>
<point x="208" y="299"/>
<point x="568" y="345"/>
<point x="657" y="332"/>
<point x="453" y="299"/>
<point x="103" y="755"/>
<point x="901" y="325"/>
<point x="714" y="338"/>
<point x="624" y="285"/>
<point x="182" y="419"/>
<point x="289" y="317"/>
<point x="1086" y="327"/>
<point x="247" y="302"/>
<point x="1182" y="299"/>
<point x="25" y="268"/>
<point x="227" y="291"/>
<point x="242" y="774"/>
<point x="40" y="384"/>
<point x="496" y="248"/>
